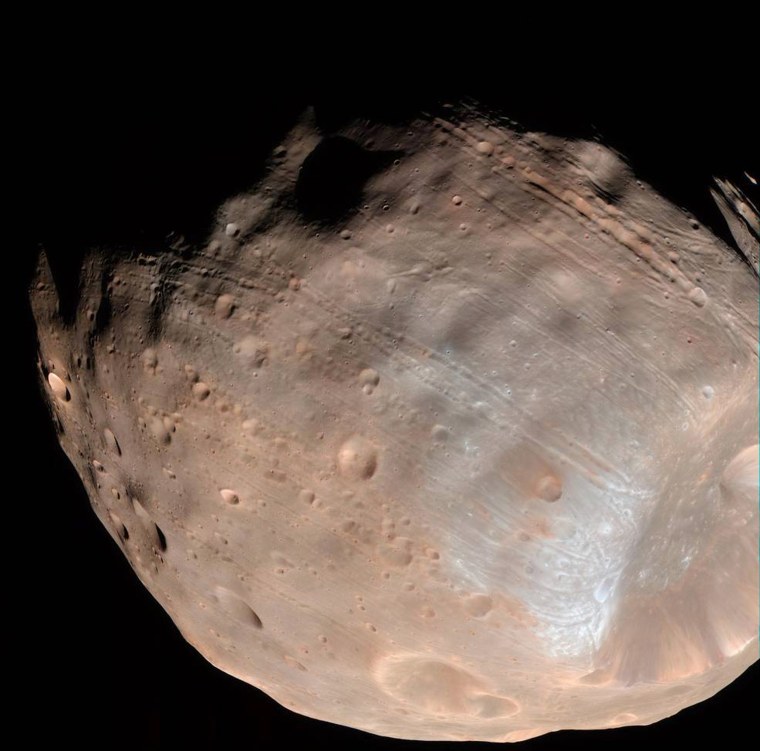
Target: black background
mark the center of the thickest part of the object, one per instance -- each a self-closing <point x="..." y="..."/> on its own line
<point x="103" y="665"/>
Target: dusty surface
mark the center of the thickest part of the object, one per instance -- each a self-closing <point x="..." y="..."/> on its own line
<point x="448" y="432"/>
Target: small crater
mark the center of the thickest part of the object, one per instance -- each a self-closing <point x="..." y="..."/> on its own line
<point x="368" y="380"/>
<point x="160" y="431"/>
<point x="549" y="488"/>
<point x="698" y="296"/>
<point x="229" y="496"/>
<point x="488" y="706"/>
<point x="605" y="588"/>
<point x="160" y="537"/>
<point x="154" y="532"/>
<point x="357" y="459"/>
<point x="253" y="350"/>
<point x="201" y="391"/>
<point x="624" y="718"/>
<point x="111" y="442"/>
<point x="478" y="606"/>
<point x="439" y="433"/>
<point x="58" y="387"/>
<point x="252" y="426"/>
<point x="237" y="607"/>
<point x="119" y="526"/>
<point x="306" y="496"/>
<point x="224" y="306"/>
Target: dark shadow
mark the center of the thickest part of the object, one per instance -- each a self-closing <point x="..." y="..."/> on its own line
<point x="332" y="177"/>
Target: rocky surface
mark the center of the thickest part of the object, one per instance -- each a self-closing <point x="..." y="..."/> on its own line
<point x="449" y="431"/>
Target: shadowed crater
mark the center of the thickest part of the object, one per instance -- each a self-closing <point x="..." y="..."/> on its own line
<point x="332" y="177"/>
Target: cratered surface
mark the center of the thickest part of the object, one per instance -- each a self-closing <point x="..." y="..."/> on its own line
<point x="449" y="431"/>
